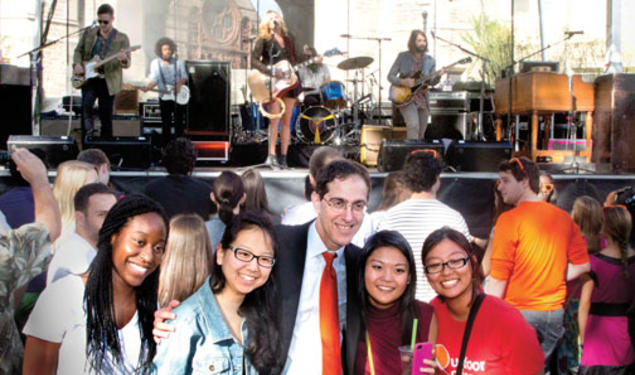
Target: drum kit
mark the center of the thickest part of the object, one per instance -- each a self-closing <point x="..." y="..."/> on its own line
<point x="330" y="117"/>
<point x="335" y="118"/>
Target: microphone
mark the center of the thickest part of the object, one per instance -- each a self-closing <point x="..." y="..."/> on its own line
<point x="433" y="34"/>
<point x="577" y="32"/>
<point x="345" y="35"/>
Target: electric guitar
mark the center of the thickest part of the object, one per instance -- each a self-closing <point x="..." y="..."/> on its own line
<point x="265" y="89"/>
<point x="91" y="66"/>
<point x="401" y="96"/>
<point x="183" y="96"/>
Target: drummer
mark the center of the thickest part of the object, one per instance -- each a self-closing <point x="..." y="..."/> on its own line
<point x="313" y="76"/>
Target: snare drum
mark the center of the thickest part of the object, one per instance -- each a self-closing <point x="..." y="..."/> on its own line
<point x="333" y="94"/>
<point x="316" y="125"/>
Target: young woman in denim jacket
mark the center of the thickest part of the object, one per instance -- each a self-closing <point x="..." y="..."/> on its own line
<point x="228" y="326"/>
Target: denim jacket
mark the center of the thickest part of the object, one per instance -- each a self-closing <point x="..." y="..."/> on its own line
<point x="202" y="343"/>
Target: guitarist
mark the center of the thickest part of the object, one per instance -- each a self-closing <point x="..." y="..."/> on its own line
<point x="273" y="45"/>
<point x="406" y="66"/>
<point x="167" y="71"/>
<point x="102" y="41"/>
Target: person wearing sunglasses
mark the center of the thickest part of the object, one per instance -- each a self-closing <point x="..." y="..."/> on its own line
<point x="536" y="248"/>
<point x="548" y="192"/>
<point x="228" y="326"/>
<point x="103" y="41"/>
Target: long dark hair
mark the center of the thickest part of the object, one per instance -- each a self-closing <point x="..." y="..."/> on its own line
<point x="258" y="308"/>
<point x="101" y="329"/>
<point x="256" y="193"/>
<point x="458" y="238"/>
<point x="412" y="41"/>
<point x="228" y="189"/>
<point x="407" y="302"/>
<point x="617" y="227"/>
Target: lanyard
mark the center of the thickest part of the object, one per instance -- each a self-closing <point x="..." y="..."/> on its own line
<point x="370" y="355"/>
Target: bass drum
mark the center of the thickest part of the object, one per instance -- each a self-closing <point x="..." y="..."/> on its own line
<point x="316" y="125"/>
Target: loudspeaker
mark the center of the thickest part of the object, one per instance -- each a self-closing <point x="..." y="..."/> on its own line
<point x="448" y="124"/>
<point x="208" y="109"/>
<point x="393" y="154"/>
<point x="123" y="152"/>
<point x="15" y="107"/>
<point x="52" y="150"/>
<point x="477" y="156"/>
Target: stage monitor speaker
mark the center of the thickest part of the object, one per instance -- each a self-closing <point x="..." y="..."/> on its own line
<point x="52" y="150"/>
<point x="477" y="156"/>
<point x="448" y="124"/>
<point x="393" y="154"/>
<point x="208" y="108"/>
<point x="15" y="106"/>
<point x="124" y="152"/>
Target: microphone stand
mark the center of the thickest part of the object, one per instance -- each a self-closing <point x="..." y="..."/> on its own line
<point x="509" y="69"/>
<point x="379" y="41"/>
<point x="34" y="60"/>
<point x="485" y="61"/>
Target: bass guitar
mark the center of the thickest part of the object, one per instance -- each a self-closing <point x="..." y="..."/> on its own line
<point x="182" y="98"/>
<point x="401" y="96"/>
<point x="265" y="89"/>
<point x="91" y="66"/>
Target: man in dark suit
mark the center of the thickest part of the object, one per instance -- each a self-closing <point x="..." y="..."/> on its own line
<point x="312" y="341"/>
<point x="340" y="198"/>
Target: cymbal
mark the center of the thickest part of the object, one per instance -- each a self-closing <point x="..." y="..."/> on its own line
<point x="355" y="63"/>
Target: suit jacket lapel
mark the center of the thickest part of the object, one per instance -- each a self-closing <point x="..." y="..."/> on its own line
<point x="352" y="328"/>
<point x="289" y="273"/>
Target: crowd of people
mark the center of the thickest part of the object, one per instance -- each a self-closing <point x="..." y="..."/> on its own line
<point x="101" y="281"/>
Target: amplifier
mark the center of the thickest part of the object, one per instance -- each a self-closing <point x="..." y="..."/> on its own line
<point x="371" y="138"/>
<point x="52" y="150"/>
<point x="449" y="100"/>
<point x="150" y="112"/>
<point x="463" y="101"/>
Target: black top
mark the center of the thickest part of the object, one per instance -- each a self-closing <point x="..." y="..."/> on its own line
<point x="180" y="194"/>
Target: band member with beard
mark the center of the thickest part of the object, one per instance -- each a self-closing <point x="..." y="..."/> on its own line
<point x="407" y="64"/>
<point x="168" y="72"/>
<point x="313" y="77"/>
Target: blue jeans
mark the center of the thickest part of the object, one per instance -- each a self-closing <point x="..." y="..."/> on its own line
<point x="548" y="326"/>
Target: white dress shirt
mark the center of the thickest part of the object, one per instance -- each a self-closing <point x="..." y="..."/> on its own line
<point x="305" y="352"/>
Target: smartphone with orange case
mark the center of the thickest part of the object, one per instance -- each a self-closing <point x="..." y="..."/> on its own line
<point x="423" y="350"/>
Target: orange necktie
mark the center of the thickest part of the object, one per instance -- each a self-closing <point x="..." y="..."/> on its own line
<point x="329" y="319"/>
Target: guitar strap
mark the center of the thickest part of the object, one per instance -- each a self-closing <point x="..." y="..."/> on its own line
<point x="176" y="74"/>
<point x="102" y="46"/>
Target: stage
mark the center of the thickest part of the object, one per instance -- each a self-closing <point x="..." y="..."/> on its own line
<point x="470" y="193"/>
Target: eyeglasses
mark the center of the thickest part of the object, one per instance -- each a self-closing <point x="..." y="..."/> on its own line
<point x="247" y="256"/>
<point x="520" y="164"/>
<point x="104" y="22"/>
<point x="453" y="264"/>
<point x="339" y="205"/>
<point x="424" y="150"/>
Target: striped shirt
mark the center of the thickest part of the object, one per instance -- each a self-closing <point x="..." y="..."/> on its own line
<point x="415" y="219"/>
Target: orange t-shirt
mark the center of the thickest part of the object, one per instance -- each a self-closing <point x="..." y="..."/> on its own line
<point x="533" y="243"/>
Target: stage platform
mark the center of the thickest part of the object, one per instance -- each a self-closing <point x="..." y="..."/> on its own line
<point x="470" y="193"/>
